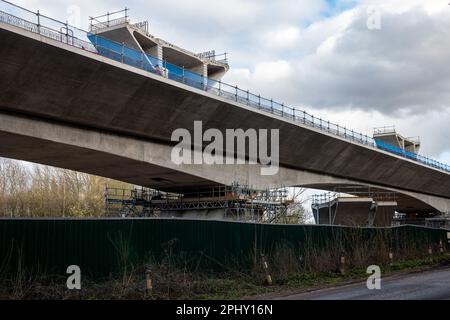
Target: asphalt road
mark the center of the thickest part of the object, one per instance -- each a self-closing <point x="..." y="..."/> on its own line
<point x="429" y="285"/>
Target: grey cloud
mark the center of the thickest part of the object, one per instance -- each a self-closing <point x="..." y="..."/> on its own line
<point x="401" y="68"/>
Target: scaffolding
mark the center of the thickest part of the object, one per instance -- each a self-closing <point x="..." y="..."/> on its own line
<point x="330" y="203"/>
<point x="235" y="202"/>
<point x="352" y="192"/>
<point x="108" y="20"/>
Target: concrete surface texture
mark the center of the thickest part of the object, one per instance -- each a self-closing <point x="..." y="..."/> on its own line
<point x="70" y="108"/>
<point x="345" y="211"/>
<point x="356" y="211"/>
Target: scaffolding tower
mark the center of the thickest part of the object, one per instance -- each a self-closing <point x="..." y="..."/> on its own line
<point x="235" y="202"/>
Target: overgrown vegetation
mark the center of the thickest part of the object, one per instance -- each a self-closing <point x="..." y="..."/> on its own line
<point x="177" y="276"/>
<point x="315" y="260"/>
<point x="30" y="190"/>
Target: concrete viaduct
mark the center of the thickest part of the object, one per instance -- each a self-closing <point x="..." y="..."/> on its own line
<point x="67" y="107"/>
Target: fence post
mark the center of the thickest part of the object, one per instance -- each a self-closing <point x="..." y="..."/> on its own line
<point x="148" y="281"/>
<point x="266" y="270"/>
<point x="67" y="32"/>
<point x="38" y="22"/>
<point x="342" y="263"/>
<point x="183" y="75"/>
<point x="248" y="97"/>
<point x="282" y="109"/>
<point x="259" y="101"/>
<point x="237" y="93"/>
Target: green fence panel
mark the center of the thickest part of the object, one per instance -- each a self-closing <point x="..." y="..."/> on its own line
<point x="51" y="245"/>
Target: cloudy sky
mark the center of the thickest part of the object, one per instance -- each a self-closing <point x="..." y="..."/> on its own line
<point x="360" y="63"/>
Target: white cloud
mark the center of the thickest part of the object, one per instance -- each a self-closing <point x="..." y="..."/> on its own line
<point x="365" y="78"/>
<point x="282" y="38"/>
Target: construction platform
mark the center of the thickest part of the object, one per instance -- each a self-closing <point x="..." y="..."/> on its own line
<point x="116" y="26"/>
<point x="234" y="202"/>
<point x="366" y="209"/>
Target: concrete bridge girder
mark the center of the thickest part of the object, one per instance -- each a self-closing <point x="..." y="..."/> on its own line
<point x="147" y="163"/>
<point x="52" y="80"/>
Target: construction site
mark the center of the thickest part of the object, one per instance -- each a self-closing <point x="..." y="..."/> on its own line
<point x="239" y="203"/>
<point x="131" y="169"/>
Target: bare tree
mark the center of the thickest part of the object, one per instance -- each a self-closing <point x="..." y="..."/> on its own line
<point x="296" y="212"/>
<point x="39" y="191"/>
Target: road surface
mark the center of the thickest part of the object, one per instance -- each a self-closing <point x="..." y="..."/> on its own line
<point x="429" y="285"/>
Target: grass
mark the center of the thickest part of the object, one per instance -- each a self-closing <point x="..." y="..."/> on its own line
<point x="178" y="276"/>
<point x="198" y="286"/>
<point x="220" y="288"/>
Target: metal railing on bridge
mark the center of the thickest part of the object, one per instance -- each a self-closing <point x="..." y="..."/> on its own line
<point x="63" y="32"/>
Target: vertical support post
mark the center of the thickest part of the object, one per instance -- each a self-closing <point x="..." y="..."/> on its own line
<point x="183" y="74"/>
<point x="266" y="270"/>
<point x="38" y="14"/>
<point x="67" y="32"/>
<point x="148" y="281"/>
<point x="342" y="263"/>
<point x="237" y="99"/>
<point x="329" y="213"/>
